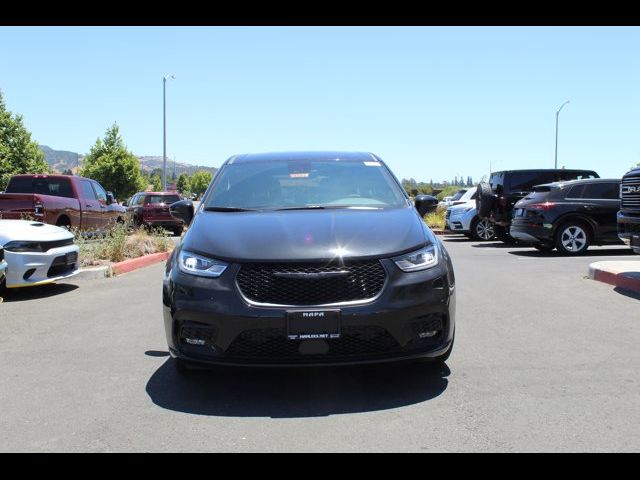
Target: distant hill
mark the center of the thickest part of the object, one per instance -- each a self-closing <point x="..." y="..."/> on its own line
<point x="149" y="164"/>
<point x="61" y="160"/>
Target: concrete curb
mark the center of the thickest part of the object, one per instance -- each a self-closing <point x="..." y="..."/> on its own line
<point x="440" y="232"/>
<point x="140" y="262"/>
<point x="94" y="273"/>
<point x="617" y="274"/>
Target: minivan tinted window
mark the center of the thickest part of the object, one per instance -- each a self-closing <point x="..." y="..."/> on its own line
<point x="58" y="187"/>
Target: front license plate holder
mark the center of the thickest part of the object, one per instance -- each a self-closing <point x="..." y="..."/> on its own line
<point x="313" y="324"/>
<point x="71" y="258"/>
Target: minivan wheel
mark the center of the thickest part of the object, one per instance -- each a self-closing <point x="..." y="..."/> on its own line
<point x="572" y="238"/>
<point x="482" y="229"/>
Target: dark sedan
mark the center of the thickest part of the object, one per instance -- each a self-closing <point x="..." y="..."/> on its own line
<point x="307" y="259"/>
<point x="568" y="216"/>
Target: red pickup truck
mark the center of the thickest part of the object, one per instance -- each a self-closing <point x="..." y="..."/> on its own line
<point x="66" y="201"/>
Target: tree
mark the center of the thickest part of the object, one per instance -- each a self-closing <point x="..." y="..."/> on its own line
<point x="182" y="184"/>
<point x="200" y="181"/>
<point x="113" y="166"/>
<point x="18" y="153"/>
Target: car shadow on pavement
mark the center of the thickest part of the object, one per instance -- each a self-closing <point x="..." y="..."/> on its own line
<point x="34" y="293"/>
<point x="608" y="252"/>
<point x="627" y="293"/>
<point x="295" y="392"/>
<point x="458" y="239"/>
<point x="499" y="244"/>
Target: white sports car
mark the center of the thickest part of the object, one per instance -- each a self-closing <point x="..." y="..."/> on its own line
<point x="37" y="253"/>
<point x="3" y="265"/>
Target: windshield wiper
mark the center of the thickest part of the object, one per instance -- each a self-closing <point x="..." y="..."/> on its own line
<point x="327" y="207"/>
<point x="228" y="209"/>
<point x="303" y="207"/>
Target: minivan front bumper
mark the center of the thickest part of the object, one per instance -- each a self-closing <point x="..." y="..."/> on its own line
<point x="236" y="332"/>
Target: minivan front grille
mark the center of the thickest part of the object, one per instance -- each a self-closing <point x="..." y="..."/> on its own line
<point x="305" y="284"/>
<point x="630" y="193"/>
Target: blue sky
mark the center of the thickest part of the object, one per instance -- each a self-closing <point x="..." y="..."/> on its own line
<point x="433" y="102"/>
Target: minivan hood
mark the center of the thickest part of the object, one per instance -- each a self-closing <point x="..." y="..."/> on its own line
<point x="306" y="235"/>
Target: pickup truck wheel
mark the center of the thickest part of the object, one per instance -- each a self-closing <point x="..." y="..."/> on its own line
<point x="63" y="222"/>
<point x="485" y="199"/>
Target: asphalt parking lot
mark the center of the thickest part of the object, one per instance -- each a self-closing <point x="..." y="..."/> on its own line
<point x="545" y="360"/>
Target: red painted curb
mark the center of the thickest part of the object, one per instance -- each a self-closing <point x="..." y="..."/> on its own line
<point x="140" y="262"/>
<point x="617" y="280"/>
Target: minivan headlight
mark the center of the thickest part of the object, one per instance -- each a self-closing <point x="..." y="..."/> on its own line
<point x="198" y="265"/>
<point x="419" y="260"/>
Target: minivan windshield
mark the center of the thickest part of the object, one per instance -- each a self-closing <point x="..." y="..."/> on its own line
<point x="304" y="184"/>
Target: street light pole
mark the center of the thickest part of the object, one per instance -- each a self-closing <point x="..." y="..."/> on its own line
<point x="164" y="131"/>
<point x="558" y="115"/>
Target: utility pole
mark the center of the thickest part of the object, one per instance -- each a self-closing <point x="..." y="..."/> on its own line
<point x="558" y="115"/>
<point x="164" y="131"/>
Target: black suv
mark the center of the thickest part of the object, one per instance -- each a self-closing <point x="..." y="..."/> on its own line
<point x="307" y="258"/>
<point x="629" y="215"/>
<point x="568" y="216"/>
<point x="495" y="200"/>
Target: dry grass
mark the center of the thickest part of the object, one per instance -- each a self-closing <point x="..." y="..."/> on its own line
<point x="435" y="220"/>
<point x="121" y="244"/>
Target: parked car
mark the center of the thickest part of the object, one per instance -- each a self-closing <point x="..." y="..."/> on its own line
<point x="37" y="253"/>
<point x="151" y="209"/>
<point x="307" y="259"/>
<point x="569" y="216"/>
<point x="448" y="201"/>
<point x="65" y="201"/>
<point x="445" y="201"/>
<point x="495" y="200"/>
<point x="3" y="266"/>
<point x="629" y="215"/>
<point x="462" y="217"/>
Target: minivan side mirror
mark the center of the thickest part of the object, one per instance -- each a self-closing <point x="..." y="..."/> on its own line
<point x="425" y="204"/>
<point x="182" y="210"/>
